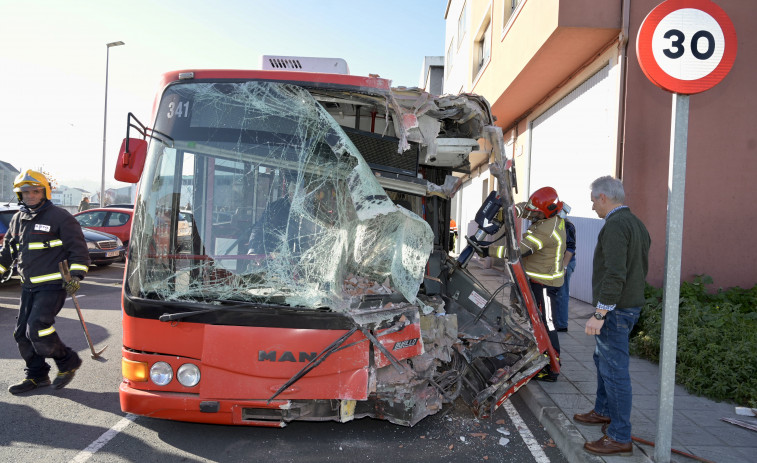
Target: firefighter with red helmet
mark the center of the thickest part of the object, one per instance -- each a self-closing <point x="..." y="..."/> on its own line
<point x="39" y="237"/>
<point x="542" y="250"/>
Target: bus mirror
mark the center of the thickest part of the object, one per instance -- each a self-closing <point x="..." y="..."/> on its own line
<point x="131" y="160"/>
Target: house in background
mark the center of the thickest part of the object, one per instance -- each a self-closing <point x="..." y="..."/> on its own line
<point x="68" y="196"/>
<point x="8" y="174"/>
<point x="566" y="88"/>
<point x="432" y="75"/>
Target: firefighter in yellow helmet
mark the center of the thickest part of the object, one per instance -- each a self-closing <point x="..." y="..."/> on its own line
<point x="39" y="237"/>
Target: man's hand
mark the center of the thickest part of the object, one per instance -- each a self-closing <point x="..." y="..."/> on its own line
<point x="593" y="326"/>
<point x="72" y="286"/>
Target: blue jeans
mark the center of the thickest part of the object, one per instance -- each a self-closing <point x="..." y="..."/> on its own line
<point x="611" y="357"/>
<point x="563" y="297"/>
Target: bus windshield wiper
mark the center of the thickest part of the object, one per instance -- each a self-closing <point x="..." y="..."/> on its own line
<point x="168" y="317"/>
<point x="238" y="306"/>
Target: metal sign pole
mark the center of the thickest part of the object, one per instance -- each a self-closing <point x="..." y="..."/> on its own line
<point x="679" y="132"/>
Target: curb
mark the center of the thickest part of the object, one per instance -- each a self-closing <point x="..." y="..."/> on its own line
<point x="565" y="434"/>
<point x="563" y="431"/>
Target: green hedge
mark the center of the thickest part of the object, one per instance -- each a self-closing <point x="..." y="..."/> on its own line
<point x="717" y="340"/>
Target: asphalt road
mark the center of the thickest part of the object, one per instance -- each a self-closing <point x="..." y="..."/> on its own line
<point x="84" y="422"/>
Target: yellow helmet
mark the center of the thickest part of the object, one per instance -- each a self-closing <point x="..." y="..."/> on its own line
<point x="31" y="179"/>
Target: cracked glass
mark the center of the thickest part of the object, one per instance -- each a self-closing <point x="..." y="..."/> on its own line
<point x="254" y="193"/>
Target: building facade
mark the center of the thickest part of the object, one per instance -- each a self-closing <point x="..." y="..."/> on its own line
<point x="565" y="86"/>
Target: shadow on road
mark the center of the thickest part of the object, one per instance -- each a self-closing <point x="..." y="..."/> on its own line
<point x="69" y="330"/>
<point x="19" y="442"/>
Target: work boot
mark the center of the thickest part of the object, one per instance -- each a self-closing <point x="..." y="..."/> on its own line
<point x="29" y="384"/>
<point x="65" y="377"/>
<point x="546" y="374"/>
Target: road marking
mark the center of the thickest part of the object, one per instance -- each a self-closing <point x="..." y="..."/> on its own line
<point x="525" y="433"/>
<point x="87" y="453"/>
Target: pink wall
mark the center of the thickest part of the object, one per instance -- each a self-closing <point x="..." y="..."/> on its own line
<point x="720" y="214"/>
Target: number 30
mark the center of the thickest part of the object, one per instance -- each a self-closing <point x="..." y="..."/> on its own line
<point x="678" y="48"/>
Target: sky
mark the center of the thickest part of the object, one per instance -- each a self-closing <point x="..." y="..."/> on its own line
<point x="53" y="62"/>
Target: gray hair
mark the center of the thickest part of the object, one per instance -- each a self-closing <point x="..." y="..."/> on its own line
<point x="612" y="188"/>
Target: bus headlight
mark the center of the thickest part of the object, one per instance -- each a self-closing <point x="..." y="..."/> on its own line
<point x="188" y="375"/>
<point x="161" y="373"/>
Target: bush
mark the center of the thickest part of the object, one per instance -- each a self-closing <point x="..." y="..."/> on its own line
<point x="717" y="340"/>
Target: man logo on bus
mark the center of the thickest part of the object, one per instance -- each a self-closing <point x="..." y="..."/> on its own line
<point x="286" y="356"/>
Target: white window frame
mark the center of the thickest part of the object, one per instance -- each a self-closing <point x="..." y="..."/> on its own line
<point x="462" y="24"/>
<point x="450" y="51"/>
<point x="483" y="46"/>
<point x="510" y="10"/>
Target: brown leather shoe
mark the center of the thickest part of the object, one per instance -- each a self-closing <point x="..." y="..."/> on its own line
<point x="591" y="418"/>
<point x="607" y="446"/>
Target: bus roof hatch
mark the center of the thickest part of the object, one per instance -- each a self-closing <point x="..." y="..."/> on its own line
<point x="304" y="64"/>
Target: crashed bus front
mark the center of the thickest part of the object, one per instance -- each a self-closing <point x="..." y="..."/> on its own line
<point x="287" y="259"/>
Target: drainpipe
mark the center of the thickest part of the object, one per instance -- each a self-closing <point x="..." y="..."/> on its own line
<point x="623" y="48"/>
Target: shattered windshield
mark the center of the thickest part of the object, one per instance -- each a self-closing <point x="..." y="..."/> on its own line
<point x="262" y="197"/>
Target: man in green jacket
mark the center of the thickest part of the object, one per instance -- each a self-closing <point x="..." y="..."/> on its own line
<point x="618" y="281"/>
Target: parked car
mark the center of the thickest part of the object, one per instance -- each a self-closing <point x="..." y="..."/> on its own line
<point x="104" y="248"/>
<point x="113" y="220"/>
<point x="6" y="213"/>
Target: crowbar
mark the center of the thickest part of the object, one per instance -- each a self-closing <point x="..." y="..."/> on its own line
<point x="63" y="266"/>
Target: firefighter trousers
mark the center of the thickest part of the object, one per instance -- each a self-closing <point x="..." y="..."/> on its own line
<point x="35" y="332"/>
<point x="546" y="298"/>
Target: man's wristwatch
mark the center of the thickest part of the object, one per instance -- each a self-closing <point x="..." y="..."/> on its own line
<point x="599" y="316"/>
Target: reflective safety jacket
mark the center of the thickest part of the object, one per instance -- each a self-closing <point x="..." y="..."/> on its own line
<point x="39" y="241"/>
<point x="546" y="239"/>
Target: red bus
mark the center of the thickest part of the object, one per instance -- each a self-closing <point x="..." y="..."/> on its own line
<point x="289" y="254"/>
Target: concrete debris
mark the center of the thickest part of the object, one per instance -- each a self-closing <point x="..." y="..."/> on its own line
<point x="504" y="441"/>
<point x="355" y="285"/>
<point x="503" y="431"/>
<point x="746" y="411"/>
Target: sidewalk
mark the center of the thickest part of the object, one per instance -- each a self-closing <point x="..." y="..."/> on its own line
<point x="697" y="425"/>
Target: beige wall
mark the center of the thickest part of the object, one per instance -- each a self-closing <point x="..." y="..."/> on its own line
<point x="545" y="52"/>
<point x="721" y="161"/>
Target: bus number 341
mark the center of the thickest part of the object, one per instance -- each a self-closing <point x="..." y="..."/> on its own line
<point x="178" y="110"/>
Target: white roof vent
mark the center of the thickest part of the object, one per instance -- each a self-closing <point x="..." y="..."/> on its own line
<point x="304" y="64"/>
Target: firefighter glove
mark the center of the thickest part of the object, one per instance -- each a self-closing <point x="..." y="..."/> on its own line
<point x="72" y="286"/>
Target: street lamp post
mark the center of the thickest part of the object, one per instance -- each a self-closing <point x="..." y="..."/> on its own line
<point x="105" y="118"/>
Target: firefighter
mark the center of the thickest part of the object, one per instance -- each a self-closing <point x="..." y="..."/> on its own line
<point x="39" y="237"/>
<point x="542" y="251"/>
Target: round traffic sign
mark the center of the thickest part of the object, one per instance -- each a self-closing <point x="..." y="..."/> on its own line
<point x="686" y="46"/>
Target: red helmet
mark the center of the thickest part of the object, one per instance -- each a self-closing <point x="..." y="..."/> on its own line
<point x="544" y="200"/>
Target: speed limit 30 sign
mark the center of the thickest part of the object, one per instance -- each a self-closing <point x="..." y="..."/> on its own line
<point x="686" y="46"/>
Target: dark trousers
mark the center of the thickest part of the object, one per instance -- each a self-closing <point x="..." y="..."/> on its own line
<point x="35" y="332"/>
<point x="546" y="299"/>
